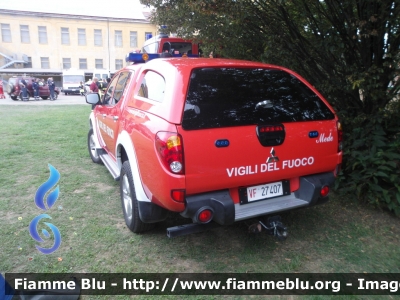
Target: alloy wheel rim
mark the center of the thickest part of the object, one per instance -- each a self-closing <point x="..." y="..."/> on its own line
<point x="127" y="197"/>
<point x="92" y="147"/>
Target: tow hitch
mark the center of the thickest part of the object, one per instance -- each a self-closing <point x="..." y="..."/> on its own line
<point x="273" y="226"/>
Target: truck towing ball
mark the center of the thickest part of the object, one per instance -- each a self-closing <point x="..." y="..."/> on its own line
<point x="273" y="226"/>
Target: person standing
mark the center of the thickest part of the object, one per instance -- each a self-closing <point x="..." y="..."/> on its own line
<point x="24" y="89"/>
<point x="82" y="88"/>
<point x="35" y="86"/>
<point x="102" y="87"/>
<point x="93" y="86"/>
<point x="51" y="85"/>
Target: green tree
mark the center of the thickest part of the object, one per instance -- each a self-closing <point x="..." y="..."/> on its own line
<point x="349" y="50"/>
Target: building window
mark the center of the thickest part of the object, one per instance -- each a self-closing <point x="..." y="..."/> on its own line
<point x="98" y="40"/>
<point x="42" y="34"/>
<point x="66" y="63"/>
<point x="6" y="33"/>
<point x="98" y="63"/>
<point x="82" y="63"/>
<point x="64" y="36"/>
<point x="24" y="33"/>
<point x="81" y="37"/>
<point x="118" y="38"/>
<point x="133" y="39"/>
<point x="118" y="64"/>
<point x="147" y="35"/>
<point x="29" y="63"/>
<point x="45" y="63"/>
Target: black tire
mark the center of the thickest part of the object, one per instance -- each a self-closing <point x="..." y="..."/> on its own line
<point x="10" y="88"/>
<point x="129" y="202"/>
<point x="91" y="144"/>
<point x="21" y="98"/>
<point x="14" y="98"/>
<point x="44" y="97"/>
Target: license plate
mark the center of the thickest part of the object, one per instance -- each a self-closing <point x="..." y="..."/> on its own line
<point x="264" y="191"/>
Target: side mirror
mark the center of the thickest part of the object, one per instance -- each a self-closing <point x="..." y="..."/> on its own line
<point x="92" y="98"/>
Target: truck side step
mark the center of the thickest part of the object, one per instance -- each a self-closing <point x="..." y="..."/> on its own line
<point x="110" y="165"/>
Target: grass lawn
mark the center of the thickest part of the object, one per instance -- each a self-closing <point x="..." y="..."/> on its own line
<point x="336" y="237"/>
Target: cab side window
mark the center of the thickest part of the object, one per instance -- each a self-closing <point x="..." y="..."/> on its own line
<point x="152" y="87"/>
<point x="107" y="99"/>
<point x="150" y="48"/>
<point x="116" y="88"/>
<point x="123" y="82"/>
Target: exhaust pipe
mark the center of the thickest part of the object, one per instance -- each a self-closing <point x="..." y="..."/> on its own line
<point x="189" y="229"/>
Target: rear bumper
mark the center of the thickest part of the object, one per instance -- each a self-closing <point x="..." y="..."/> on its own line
<point x="75" y="90"/>
<point x="226" y="211"/>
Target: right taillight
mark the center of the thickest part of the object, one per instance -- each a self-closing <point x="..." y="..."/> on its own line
<point x="340" y="136"/>
<point x="170" y="149"/>
<point x="204" y="215"/>
<point x="324" y="191"/>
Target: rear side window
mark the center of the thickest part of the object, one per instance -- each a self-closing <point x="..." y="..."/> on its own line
<point x="152" y="87"/>
<point x="223" y="97"/>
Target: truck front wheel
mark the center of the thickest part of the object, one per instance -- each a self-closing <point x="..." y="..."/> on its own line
<point x="129" y="202"/>
<point x="92" y="147"/>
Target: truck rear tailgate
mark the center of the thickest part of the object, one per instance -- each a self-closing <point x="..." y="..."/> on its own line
<point x="243" y="127"/>
<point x="245" y="162"/>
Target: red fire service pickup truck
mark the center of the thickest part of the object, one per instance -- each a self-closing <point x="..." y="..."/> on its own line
<point x="216" y="140"/>
<point x="174" y="45"/>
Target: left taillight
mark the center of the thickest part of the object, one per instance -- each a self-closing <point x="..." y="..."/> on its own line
<point x="340" y="136"/>
<point x="170" y="150"/>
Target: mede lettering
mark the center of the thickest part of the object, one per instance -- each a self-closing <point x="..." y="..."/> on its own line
<point x="323" y="139"/>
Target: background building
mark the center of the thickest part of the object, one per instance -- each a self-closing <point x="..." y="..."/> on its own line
<point x="42" y="39"/>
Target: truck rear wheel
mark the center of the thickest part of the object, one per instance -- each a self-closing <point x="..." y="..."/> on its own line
<point x="129" y="202"/>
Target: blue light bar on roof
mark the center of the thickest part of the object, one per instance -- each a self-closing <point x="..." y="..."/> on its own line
<point x="138" y="57"/>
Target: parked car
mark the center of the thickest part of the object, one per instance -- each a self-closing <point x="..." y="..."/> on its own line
<point x="15" y="92"/>
<point x="216" y="140"/>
